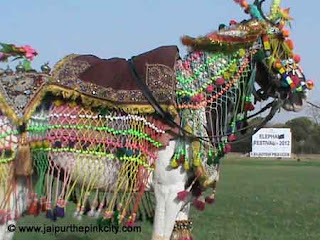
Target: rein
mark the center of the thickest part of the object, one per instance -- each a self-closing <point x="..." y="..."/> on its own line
<point x="167" y="117"/>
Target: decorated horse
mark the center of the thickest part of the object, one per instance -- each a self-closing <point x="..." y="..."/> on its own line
<point x="105" y="133"/>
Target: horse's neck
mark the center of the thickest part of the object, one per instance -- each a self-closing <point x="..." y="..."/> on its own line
<point x="221" y="77"/>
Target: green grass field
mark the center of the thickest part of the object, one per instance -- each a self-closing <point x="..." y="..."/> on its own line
<point x="256" y="200"/>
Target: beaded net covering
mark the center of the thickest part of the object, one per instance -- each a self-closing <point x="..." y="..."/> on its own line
<point x="110" y="152"/>
<point x="214" y="94"/>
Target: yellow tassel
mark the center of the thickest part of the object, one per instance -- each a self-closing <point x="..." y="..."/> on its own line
<point x="196" y="147"/>
<point x="186" y="165"/>
<point x="38" y="144"/>
<point x="242" y="52"/>
<point x="58" y="103"/>
<point x="174" y="163"/>
<point x="33" y="145"/>
<point x="188" y="129"/>
<point x="72" y="104"/>
<point x="197" y="162"/>
<point x="226" y="75"/>
<point x="46" y="144"/>
<point x="23" y="161"/>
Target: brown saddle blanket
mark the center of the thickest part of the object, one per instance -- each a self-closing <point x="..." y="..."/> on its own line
<point x="112" y="79"/>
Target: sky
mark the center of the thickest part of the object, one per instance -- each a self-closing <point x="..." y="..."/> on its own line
<point x="124" y="28"/>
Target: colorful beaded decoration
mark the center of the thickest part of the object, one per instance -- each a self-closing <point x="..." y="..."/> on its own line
<point x="213" y="92"/>
<point x="113" y="152"/>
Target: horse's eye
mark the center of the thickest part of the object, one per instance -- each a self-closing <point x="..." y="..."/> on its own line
<point x="272" y="30"/>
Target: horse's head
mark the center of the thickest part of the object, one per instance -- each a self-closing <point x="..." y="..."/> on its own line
<point x="218" y="77"/>
<point x="278" y="71"/>
<point x="273" y="61"/>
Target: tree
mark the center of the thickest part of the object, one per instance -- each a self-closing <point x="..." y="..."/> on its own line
<point x="305" y="135"/>
<point x="313" y="111"/>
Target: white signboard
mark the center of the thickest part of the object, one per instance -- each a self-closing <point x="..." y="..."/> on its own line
<point x="272" y="142"/>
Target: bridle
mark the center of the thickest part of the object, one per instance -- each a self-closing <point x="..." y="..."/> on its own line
<point x="167" y="117"/>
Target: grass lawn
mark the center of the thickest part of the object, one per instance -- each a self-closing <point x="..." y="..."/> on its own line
<point x="256" y="200"/>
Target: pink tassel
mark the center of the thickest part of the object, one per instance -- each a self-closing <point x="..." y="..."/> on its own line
<point x="183" y="195"/>
<point x="232" y="138"/>
<point x="130" y="223"/>
<point x="227" y="148"/>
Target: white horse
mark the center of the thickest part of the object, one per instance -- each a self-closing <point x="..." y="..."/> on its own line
<point x="224" y="102"/>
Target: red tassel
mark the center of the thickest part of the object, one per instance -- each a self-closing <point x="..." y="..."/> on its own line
<point x="210" y="199"/>
<point x="33" y="209"/>
<point x="43" y="204"/>
<point x="220" y="81"/>
<point x="130" y="223"/>
<point x="227" y="148"/>
<point x="183" y="195"/>
<point x="199" y="204"/>
<point x="232" y="138"/>
<point x="248" y="106"/>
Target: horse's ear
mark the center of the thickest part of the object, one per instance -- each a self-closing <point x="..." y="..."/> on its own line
<point x="274" y="8"/>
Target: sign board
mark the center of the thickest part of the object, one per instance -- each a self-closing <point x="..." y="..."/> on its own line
<point x="271" y="142"/>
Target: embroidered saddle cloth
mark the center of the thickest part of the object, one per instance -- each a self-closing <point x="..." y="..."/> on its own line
<point x="112" y="79"/>
<point x="97" y="81"/>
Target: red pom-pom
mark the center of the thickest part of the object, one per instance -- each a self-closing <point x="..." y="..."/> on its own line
<point x="310" y="84"/>
<point x="220" y="81"/>
<point x="277" y="64"/>
<point x="290" y="44"/>
<point x="232" y="22"/>
<point x="232" y="138"/>
<point x="183" y="195"/>
<point x="297" y="58"/>
<point x="197" y="98"/>
<point x="210" y="88"/>
<point x="244" y="3"/>
<point x="285" y="33"/>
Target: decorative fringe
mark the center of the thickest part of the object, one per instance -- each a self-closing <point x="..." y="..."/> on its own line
<point x="182" y="230"/>
<point x="23" y="163"/>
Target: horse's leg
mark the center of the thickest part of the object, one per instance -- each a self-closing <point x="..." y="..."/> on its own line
<point x="167" y="183"/>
